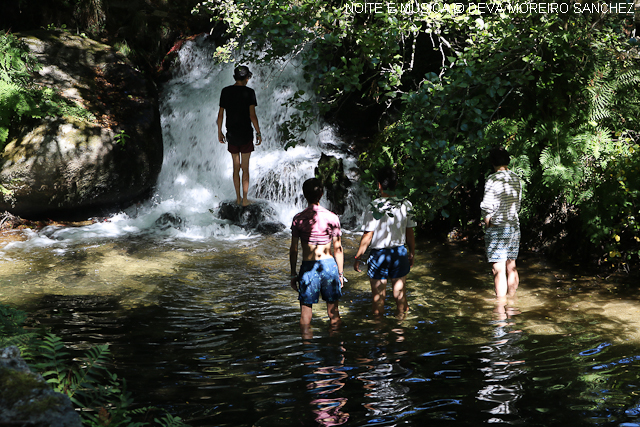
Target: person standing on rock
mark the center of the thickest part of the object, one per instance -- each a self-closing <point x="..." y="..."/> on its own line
<point x="239" y="102"/>
<point x="500" y="206"/>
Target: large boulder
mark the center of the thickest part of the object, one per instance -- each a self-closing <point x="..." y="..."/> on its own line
<point x="27" y="400"/>
<point x="66" y="167"/>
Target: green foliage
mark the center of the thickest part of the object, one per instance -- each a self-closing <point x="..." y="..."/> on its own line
<point x="88" y="384"/>
<point x="121" y="138"/>
<point x="12" y="330"/>
<point x="559" y="90"/>
<point x="124" y="49"/>
<point x="344" y="52"/>
<point x="100" y="394"/>
<point x="20" y="99"/>
<point x="103" y="396"/>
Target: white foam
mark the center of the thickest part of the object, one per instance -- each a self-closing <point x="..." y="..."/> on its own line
<point x="196" y="171"/>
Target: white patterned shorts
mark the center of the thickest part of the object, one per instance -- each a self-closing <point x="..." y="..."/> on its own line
<point x="502" y="243"/>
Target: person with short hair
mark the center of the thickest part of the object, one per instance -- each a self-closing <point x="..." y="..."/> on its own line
<point x="388" y="227"/>
<point x="239" y="102"/>
<point x="321" y="274"/>
<point x="500" y="206"/>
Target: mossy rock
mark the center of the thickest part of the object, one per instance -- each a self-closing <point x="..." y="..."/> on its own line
<point x="26" y="398"/>
<point x="69" y="167"/>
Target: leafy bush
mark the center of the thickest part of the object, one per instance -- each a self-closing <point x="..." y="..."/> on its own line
<point x="560" y="90"/>
<point x="562" y="96"/>
<point x="20" y="98"/>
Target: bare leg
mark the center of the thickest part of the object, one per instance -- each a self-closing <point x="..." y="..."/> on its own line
<point x="305" y="332"/>
<point x="306" y="312"/>
<point x="513" y="279"/>
<point x="500" y="278"/>
<point x="334" y="313"/>
<point x="245" y="177"/>
<point x="236" y="176"/>
<point x="400" y="295"/>
<point x="378" y="291"/>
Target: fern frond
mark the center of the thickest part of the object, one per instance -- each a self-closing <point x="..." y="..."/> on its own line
<point x="94" y="367"/>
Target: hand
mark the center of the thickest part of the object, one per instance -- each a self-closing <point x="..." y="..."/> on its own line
<point x="221" y="138"/>
<point x="258" y="139"/>
<point x="294" y="283"/>
<point x="356" y="265"/>
<point x="410" y="260"/>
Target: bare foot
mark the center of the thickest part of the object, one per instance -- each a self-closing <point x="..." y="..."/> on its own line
<point x="246" y="202"/>
<point x="239" y="202"/>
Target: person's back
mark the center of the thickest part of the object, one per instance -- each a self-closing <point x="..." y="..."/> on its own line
<point x="318" y="230"/>
<point x="316" y="227"/>
<point x="238" y="102"/>
<point x="503" y="194"/>
<point x="388" y="226"/>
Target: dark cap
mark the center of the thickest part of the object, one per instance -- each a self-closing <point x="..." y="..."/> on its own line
<point x="241" y="72"/>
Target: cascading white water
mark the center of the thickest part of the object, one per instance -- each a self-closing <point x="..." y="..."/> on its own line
<point x="196" y="173"/>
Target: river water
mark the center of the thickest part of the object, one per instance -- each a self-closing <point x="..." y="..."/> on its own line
<point x="201" y="321"/>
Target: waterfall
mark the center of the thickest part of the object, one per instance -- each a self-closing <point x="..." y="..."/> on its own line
<point x="196" y="174"/>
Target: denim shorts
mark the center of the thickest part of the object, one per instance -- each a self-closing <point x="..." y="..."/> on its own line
<point x="388" y="263"/>
<point x="317" y="278"/>
<point x="502" y="243"/>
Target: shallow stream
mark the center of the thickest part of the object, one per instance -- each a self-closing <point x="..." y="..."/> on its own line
<point x="201" y="321"/>
<point x="208" y="330"/>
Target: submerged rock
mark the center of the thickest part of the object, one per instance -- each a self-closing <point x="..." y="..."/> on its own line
<point x="257" y="216"/>
<point x="270" y="227"/>
<point x="168" y="220"/>
<point x="26" y="399"/>
<point x="67" y="167"/>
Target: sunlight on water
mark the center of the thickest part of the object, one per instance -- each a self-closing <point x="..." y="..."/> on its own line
<point x="201" y="320"/>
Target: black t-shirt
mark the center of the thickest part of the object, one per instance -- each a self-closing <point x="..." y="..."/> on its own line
<point x="236" y="101"/>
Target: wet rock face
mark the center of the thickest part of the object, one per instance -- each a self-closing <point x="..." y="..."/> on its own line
<point x="257" y="216"/>
<point x="330" y="171"/>
<point x="26" y="399"/>
<point x="64" y="167"/>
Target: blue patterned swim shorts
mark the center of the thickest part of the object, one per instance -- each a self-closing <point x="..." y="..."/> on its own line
<point x="388" y="263"/>
<point x="502" y="243"/>
<point x="317" y="278"/>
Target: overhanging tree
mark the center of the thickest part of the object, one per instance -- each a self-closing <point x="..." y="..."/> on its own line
<point x="558" y="89"/>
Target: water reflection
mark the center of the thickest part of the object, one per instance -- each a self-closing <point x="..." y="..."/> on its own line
<point x="504" y="365"/>
<point x="210" y="331"/>
<point x="326" y="380"/>
<point x="387" y="395"/>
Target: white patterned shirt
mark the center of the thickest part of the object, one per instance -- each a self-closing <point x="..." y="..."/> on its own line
<point x="502" y="198"/>
<point x="390" y="228"/>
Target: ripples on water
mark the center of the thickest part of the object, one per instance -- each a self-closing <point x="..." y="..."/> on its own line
<point x="209" y="331"/>
<point x="201" y="320"/>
